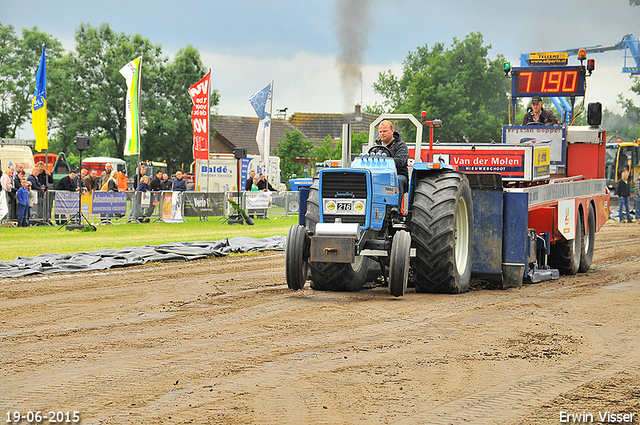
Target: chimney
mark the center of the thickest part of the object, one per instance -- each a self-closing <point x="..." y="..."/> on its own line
<point x="358" y="113"/>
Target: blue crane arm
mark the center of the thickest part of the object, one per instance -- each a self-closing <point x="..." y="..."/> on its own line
<point x="629" y="43"/>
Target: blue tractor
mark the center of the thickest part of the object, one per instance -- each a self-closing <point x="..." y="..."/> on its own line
<point x="352" y="225"/>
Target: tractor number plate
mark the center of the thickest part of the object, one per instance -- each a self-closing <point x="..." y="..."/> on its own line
<point x="344" y="206"/>
<point x="326" y="249"/>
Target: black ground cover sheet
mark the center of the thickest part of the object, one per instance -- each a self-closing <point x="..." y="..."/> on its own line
<point x="104" y="259"/>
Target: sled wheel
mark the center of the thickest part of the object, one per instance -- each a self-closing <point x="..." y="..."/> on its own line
<point x="588" y="241"/>
<point x="399" y="263"/>
<point x="565" y="255"/>
<point x="296" y="265"/>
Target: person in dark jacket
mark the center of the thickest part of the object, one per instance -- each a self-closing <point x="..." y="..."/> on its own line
<point x="155" y="186"/>
<point x="179" y="184"/>
<point x="249" y="182"/>
<point x="167" y="183"/>
<point x="33" y="179"/>
<point x="536" y="115"/>
<point x="623" y="191"/>
<point x="399" y="152"/>
<point x="264" y="185"/>
<point x="38" y="191"/>
<point x="156" y="182"/>
<point x="45" y="180"/>
<point x="67" y="183"/>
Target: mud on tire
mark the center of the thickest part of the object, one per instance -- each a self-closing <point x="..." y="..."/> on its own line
<point x="442" y="233"/>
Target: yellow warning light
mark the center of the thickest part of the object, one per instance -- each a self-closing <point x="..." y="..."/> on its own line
<point x="582" y="54"/>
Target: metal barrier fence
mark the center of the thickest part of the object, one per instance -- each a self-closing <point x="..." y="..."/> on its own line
<point x="60" y="207"/>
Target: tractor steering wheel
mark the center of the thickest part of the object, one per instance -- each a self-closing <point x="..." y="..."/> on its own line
<point x="380" y="148"/>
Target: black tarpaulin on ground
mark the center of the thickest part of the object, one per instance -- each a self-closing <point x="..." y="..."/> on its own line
<point x="104" y="259"/>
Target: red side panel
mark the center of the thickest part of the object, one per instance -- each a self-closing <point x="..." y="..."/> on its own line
<point x="586" y="159"/>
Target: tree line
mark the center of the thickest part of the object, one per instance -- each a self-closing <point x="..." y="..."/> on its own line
<point x="86" y="92"/>
<point x="459" y="84"/>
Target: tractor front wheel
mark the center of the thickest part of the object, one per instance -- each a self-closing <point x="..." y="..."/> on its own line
<point x="399" y="263"/>
<point x="296" y="265"/>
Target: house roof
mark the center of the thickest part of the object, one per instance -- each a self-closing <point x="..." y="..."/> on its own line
<point x="316" y="126"/>
<point x="241" y="131"/>
<point x="613" y="138"/>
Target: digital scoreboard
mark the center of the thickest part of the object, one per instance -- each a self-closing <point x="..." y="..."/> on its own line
<point x="550" y="81"/>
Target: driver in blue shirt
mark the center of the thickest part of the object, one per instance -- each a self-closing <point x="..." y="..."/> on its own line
<point x="399" y="152"/>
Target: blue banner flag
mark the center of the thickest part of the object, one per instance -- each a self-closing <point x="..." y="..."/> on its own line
<point x="39" y="106"/>
<point x="261" y="102"/>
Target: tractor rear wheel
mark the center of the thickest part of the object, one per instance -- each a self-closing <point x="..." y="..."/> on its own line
<point x="588" y="241"/>
<point x="332" y="276"/>
<point x="442" y="233"/>
<point x="565" y="255"/>
<point x="312" y="216"/>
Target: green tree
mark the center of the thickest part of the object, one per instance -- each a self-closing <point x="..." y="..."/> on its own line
<point x="294" y="153"/>
<point x="461" y="86"/>
<point x="324" y="152"/>
<point x="19" y="61"/>
<point x="88" y="96"/>
<point x="169" y="134"/>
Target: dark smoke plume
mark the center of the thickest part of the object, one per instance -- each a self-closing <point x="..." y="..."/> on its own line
<point x="352" y="23"/>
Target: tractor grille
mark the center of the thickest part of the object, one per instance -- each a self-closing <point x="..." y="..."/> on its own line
<point x="344" y="185"/>
<point x="360" y="219"/>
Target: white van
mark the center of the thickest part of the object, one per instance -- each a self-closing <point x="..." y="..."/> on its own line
<point x="15" y="152"/>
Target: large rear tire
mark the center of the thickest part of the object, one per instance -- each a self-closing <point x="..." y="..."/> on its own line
<point x="332" y="276"/>
<point x="565" y="255"/>
<point x="296" y="265"/>
<point x="312" y="216"/>
<point x="588" y="241"/>
<point x="442" y="233"/>
<point x="399" y="263"/>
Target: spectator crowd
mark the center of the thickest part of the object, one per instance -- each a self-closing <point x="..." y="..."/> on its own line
<point x="26" y="200"/>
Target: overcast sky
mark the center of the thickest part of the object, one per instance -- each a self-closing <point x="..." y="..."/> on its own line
<point x="297" y="44"/>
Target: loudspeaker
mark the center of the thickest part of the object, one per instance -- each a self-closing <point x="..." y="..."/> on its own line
<point x="594" y="113"/>
<point x="240" y="153"/>
<point x="83" y="143"/>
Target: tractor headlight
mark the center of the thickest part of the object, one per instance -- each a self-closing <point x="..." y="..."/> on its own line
<point x="344" y="206"/>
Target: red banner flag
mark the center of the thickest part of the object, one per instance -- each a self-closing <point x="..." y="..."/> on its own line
<point x="200" y="117"/>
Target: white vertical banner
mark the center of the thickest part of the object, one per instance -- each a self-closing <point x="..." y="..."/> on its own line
<point x="131" y="73"/>
<point x="261" y="102"/>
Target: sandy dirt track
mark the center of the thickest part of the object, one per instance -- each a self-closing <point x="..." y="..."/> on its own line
<point x="223" y="341"/>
